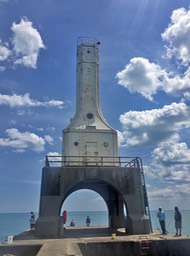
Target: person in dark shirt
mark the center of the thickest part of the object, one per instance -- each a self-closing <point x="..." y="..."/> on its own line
<point x="88" y="221"/>
<point x="178" y="221"/>
<point x="32" y="221"/>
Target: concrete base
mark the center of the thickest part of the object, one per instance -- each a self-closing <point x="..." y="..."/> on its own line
<point x="120" y="245"/>
<point x="49" y="227"/>
<point x="141" y="225"/>
<point x="119" y="187"/>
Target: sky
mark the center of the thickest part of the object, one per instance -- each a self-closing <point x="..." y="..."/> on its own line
<point x="144" y="92"/>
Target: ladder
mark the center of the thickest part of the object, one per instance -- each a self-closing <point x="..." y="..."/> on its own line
<point x="145" y="249"/>
<point x="144" y="190"/>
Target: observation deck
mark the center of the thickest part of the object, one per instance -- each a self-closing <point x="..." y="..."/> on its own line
<point x="55" y="161"/>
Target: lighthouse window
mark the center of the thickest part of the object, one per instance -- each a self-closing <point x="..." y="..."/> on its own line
<point x="76" y="143"/>
<point x="88" y="51"/>
<point x="106" y="144"/>
<point x="89" y="115"/>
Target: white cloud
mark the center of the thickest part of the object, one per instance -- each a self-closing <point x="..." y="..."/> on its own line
<point x="187" y="95"/>
<point x="54" y="103"/>
<point x="27" y="43"/>
<point x="54" y="158"/>
<point x="172" y="153"/>
<point x="25" y="101"/>
<point x="161" y="192"/>
<point x="177" y="34"/>
<point x="21" y="141"/>
<point x="150" y="127"/>
<point x="53" y="154"/>
<point x="48" y="139"/>
<point x="170" y="170"/>
<point x="171" y="161"/>
<point x="176" y="85"/>
<point x="4" y="52"/>
<point x="147" y="78"/>
<point x="141" y="76"/>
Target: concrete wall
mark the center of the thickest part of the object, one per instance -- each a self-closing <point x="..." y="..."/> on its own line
<point x="19" y="250"/>
<point x="174" y="247"/>
<point x="117" y="186"/>
<point x="158" y="248"/>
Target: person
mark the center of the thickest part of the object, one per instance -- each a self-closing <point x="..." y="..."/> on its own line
<point x="88" y="221"/>
<point x="32" y="220"/>
<point x="72" y="223"/>
<point x="178" y="221"/>
<point x="161" y="218"/>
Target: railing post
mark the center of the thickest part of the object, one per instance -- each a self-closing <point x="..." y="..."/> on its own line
<point x="47" y="162"/>
<point x="101" y="159"/>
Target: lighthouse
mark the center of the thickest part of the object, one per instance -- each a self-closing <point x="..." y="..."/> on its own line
<point x="88" y="135"/>
<point x="90" y="160"/>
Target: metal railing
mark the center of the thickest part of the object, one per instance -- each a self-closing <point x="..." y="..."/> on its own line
<point x="55" y="161"/>
<point x="87" y="41"/>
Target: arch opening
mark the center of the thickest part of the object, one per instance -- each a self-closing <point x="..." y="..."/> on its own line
<point x="82" y="203"/>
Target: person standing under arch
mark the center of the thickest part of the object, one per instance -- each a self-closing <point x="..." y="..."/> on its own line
<point x="88" y="221"/>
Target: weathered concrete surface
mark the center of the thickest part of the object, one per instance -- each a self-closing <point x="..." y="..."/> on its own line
<point x="118" y="186"/>
<point x="19" y="250"/>
<point x="122" y="245"/>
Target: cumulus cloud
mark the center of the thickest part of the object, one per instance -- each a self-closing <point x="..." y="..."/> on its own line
<point x="150" y="127"/>
<point x="4" y="52"/>
<point x="161" y="192"/>
<point x="146" y="78"/>
<point x="170" y="168"/>
<point x="25" y="101"/>
<point x="187" y="95"/>
<point x="177" y="85"/>
<point x="21" y="141"/>
<point x="172" y="152"/>
<point x="171" y="161"/>
<point x="141" y="76"/>
<point x="48" y="139"/>
<point x="27" y="43"/>
<point x="177" y="35"/>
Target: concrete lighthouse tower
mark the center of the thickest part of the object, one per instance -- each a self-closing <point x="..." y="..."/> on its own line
<point x="90" y="160"/>
<point x="88" y="134"/>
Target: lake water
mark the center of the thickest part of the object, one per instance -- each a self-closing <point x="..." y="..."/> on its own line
<point x="15" y="223"/>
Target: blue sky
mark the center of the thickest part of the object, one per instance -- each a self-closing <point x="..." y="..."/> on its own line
<point x="144" y="91"/>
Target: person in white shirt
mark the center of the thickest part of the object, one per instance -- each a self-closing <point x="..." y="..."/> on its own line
<point x="161" y="217"/>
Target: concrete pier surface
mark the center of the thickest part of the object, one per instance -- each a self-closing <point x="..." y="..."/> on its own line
<point x="97" y="241"/>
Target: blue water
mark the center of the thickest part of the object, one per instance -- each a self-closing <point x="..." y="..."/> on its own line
<point x="170" y="225"/>
<point x="12" y="224"/>
<point x="15" y="223"/>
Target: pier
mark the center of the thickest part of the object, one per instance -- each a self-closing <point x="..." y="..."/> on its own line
<point x="97" y="241"/>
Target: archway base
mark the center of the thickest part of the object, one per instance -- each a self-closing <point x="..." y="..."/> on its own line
<point x="117" y="185"/>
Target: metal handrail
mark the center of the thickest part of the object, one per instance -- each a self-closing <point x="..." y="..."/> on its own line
<point x="134" y="162"/>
